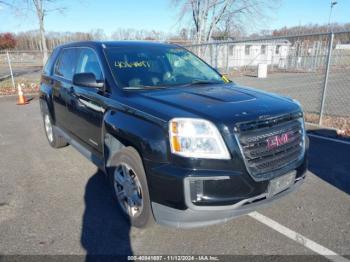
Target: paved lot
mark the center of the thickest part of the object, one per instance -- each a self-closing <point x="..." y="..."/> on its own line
<point x="56" y="202"/>
<point x="307" y="88"/>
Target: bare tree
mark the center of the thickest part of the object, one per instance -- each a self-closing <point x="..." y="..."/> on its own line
<point x="98" y="34"/>
<point x="207" y="15"/>
<point x="40" y="13"/>
<point x="134" y="34"/>
<point x="41" y="8"/>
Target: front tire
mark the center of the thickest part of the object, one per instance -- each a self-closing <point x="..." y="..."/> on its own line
<point x="130" y="187"/>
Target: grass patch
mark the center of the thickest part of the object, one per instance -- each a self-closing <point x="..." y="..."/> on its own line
<point x="28" y="87"/>
<point x="341" y="123"/>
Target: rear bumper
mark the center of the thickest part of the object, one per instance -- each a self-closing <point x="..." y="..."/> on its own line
<point x="210" y="215"/>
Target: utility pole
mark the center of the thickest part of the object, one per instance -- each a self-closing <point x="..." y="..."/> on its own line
<point x="11" y="72"/>
<point x="333" y="3"/>
<point x="329" y="56"/>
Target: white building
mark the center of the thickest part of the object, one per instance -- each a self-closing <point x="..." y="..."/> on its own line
<point x="246" y="54"/>
<point x="254" y="53"/>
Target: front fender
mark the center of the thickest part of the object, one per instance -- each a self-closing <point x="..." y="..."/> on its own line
<point x="150" y="139"/>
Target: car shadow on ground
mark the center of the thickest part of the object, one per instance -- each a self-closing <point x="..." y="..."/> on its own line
<point x="105" y="232"/>
<point x="330" y="161"/>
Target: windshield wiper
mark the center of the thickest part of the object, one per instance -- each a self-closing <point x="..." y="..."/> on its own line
<point x="194" y="82"/>
<point x="203" y="82"/>
<point x="142" y="87"/>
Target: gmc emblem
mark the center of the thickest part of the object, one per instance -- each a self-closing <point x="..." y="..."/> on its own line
<point x="276" y="141"/>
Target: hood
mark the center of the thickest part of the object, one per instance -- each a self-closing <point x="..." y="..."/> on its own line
<point x="225" y="103"/>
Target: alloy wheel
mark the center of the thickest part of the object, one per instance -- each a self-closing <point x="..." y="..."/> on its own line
<point x="128" y="190"/>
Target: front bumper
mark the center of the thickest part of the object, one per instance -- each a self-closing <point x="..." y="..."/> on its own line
<point x="191" y="218"/>
<point x="239" y="194"/>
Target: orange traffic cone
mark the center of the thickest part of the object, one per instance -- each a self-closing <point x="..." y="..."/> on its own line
<point x="22" y="100"/>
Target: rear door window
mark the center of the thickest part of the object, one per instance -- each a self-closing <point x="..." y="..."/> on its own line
<point x="67" y="62"/>
<point x="47" y="70"/>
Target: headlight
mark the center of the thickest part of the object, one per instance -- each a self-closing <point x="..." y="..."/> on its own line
<point x="197" y="138"/>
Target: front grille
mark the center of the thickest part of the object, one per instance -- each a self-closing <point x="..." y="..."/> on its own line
<point x="263" y="161"/>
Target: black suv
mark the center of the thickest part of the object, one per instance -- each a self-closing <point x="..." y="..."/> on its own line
<point x="181" y="144"/>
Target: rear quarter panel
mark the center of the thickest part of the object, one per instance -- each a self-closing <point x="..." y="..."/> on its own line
<point x="45" y="91"/>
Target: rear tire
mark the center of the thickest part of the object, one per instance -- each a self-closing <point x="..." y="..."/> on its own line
<point x="130" y="188"/>
<point x="53" y="138"/>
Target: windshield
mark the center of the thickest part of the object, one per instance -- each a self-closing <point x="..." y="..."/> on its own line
<point x="147" y="67"/>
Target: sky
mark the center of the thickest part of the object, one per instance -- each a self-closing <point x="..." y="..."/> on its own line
<point x="159" y="15"/>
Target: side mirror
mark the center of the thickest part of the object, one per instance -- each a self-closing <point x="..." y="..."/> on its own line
<point x="87" y="80"/>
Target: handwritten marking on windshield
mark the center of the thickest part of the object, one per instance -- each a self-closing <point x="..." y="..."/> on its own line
<point x="124" y="64"/>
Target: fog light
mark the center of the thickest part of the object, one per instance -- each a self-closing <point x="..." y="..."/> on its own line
<point x="196" y="189"/>
<point x="218" y="190"/>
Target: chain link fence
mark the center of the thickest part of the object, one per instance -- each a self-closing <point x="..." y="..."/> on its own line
<point x="314" y="69"/>
<point x="20" y="67"/>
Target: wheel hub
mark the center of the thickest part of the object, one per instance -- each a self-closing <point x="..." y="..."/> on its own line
<point x="128" y="190"/>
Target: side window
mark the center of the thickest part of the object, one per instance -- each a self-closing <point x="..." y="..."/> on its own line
<point x="66" y="64"/>
<point x="278" y="49"/>
<point x="47" y="70"/>
<point x="88" y="63"/>
<point x="231" y="48"/>
<point x="247" y="50"/>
